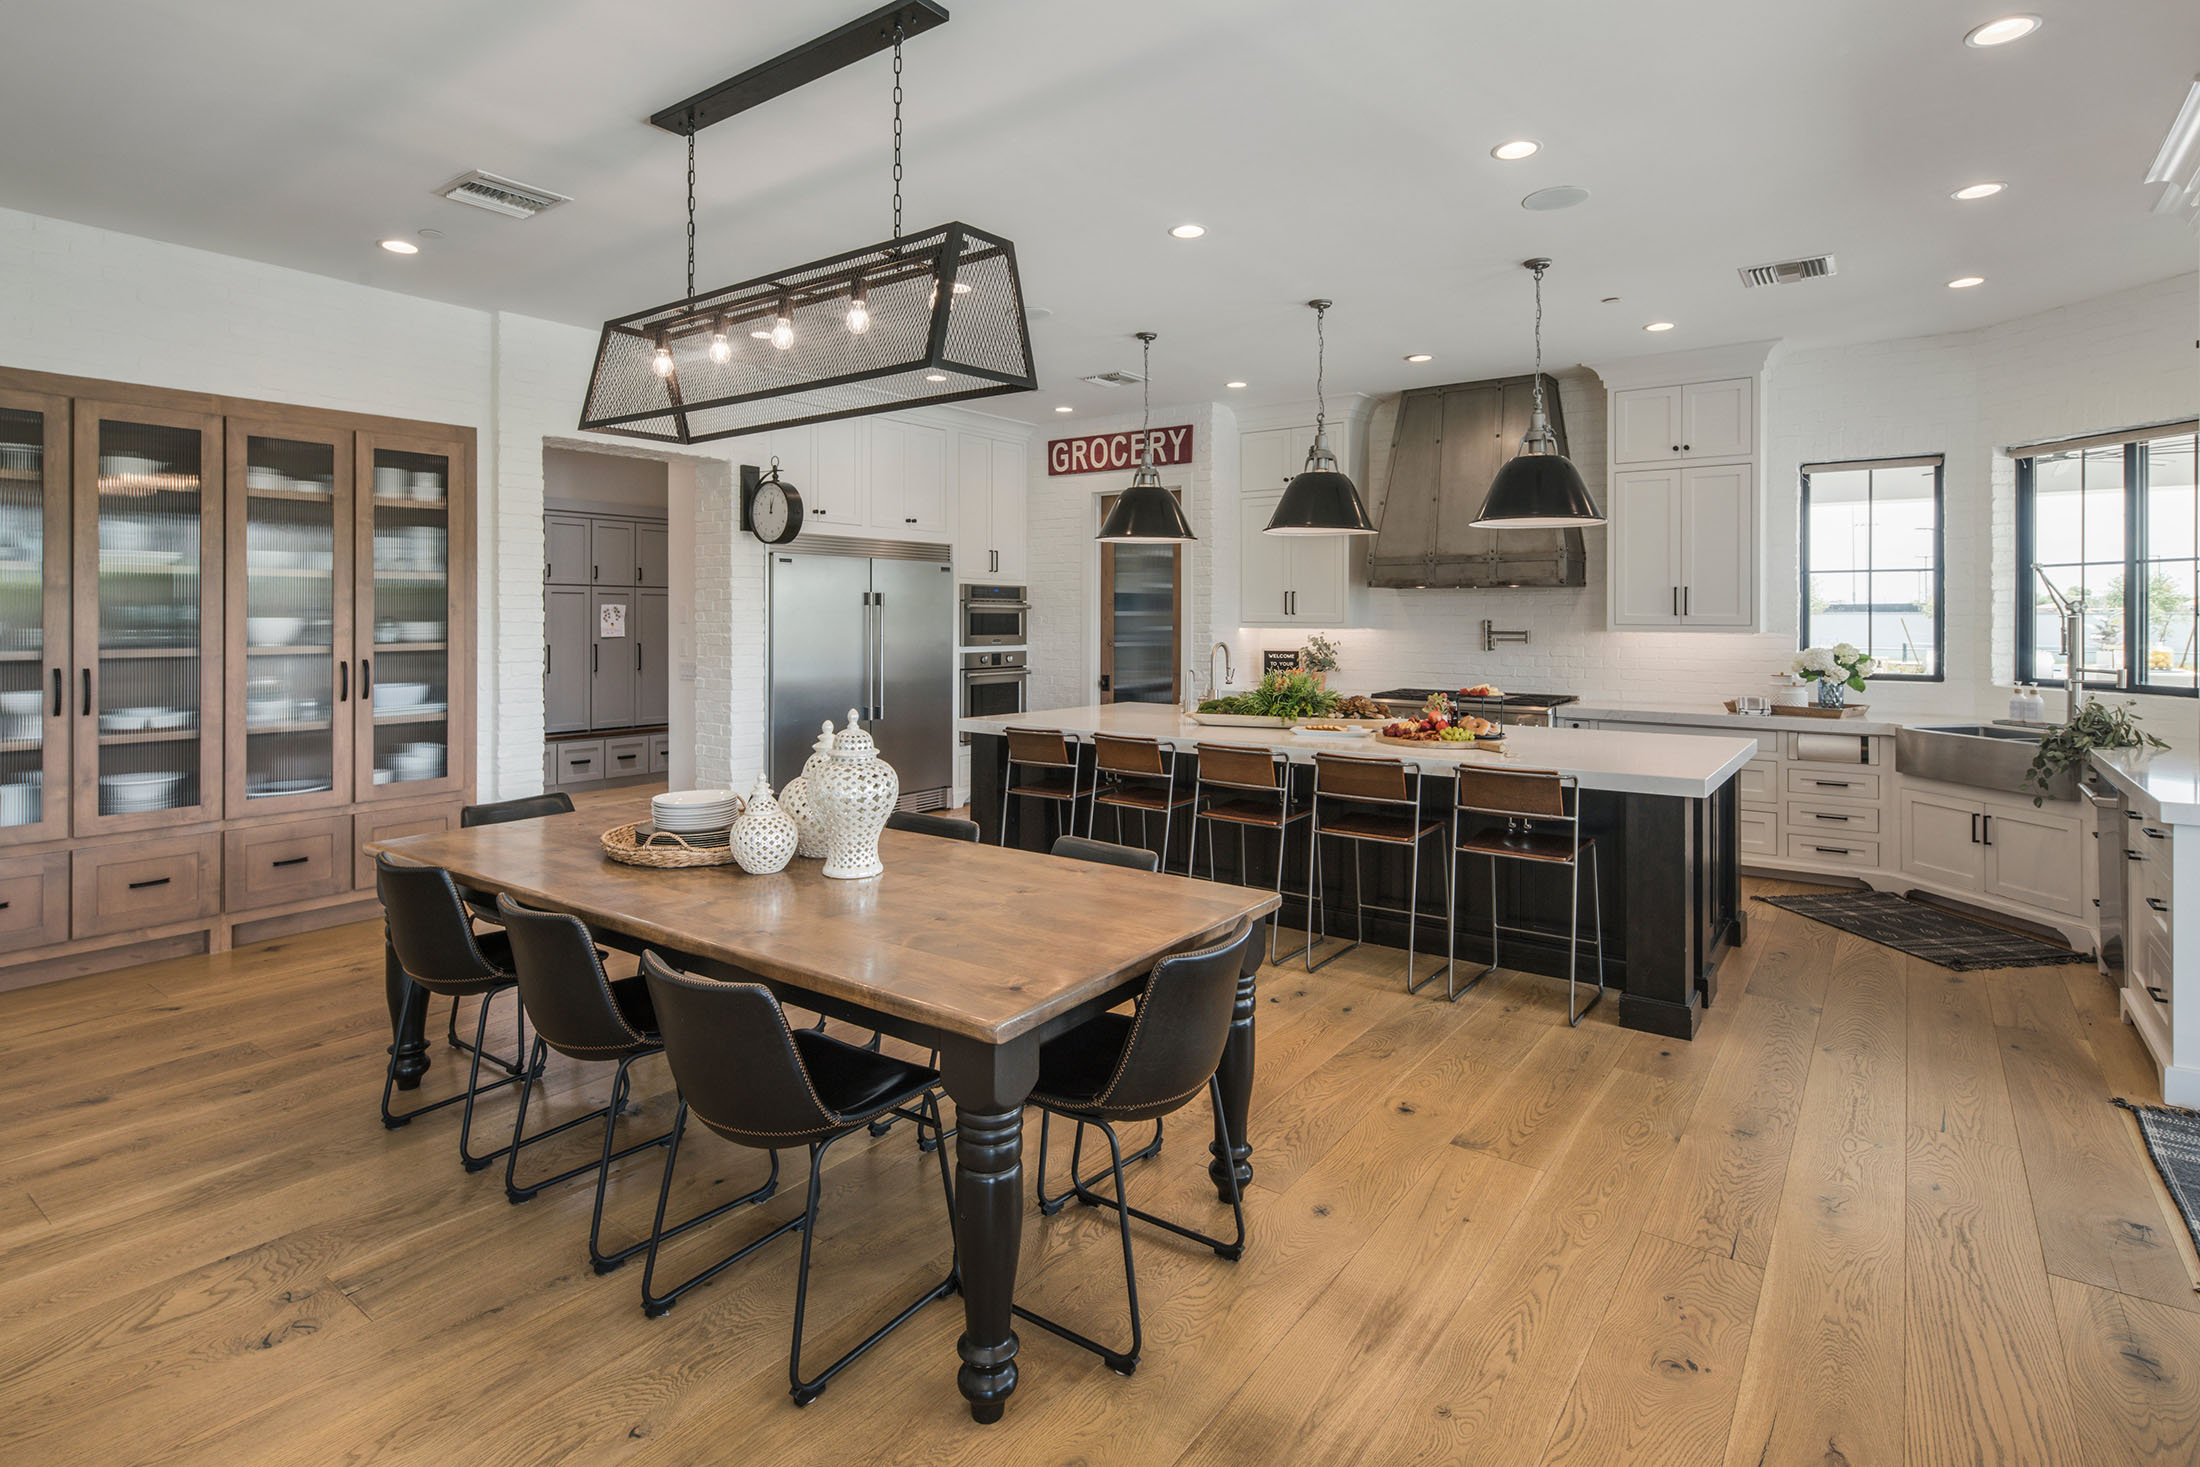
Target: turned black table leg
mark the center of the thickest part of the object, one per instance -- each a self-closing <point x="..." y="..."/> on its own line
<point x="408" y="1023"/>
<point x="988" y="1084"/>
<point x="1236" y="1077"/>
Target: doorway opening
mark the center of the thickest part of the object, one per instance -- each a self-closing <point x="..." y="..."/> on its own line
<point x="1141" y="619"/>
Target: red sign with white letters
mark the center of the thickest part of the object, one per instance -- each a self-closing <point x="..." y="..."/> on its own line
<point x="1107" y="452"/>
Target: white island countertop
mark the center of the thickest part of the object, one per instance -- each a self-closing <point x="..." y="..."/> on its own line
<point x="1687" y="766"/>
<point x="2167" y="778"/>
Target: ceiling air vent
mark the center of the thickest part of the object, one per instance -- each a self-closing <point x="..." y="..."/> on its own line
<point x="1786" y="272"/>
<point x="1114" y="379"/>
<point x="500" y="195"/>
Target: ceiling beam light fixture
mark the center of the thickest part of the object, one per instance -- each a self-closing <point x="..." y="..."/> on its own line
<point x="1321" y="500"/>
<point x="1146" y="513"/>
<point x="864" y="331"/>
<point x="1539" y="488"/>
<point x="2001" y="32"/>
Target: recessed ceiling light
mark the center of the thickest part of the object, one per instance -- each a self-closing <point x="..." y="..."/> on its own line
<point x="1233" y="384"/>
<point x="400" y="247"/>
<point x="1065" y="410"/>
<point x="1517" y="149"/>
<point x="1564" y="196"/>
<point x="1978" y="191"/>
<point x="1188" y="231"/>
<point x="1965" y="282"/>
<point x="1420" y="356"/>
<point x="1659" y="326"/>
<point x="2002" y="32"/>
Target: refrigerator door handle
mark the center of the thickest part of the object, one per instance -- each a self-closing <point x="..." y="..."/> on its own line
<point x="878" y="663"/>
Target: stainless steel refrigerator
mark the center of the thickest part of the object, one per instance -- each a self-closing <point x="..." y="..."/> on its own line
<point x="870" y="628"/>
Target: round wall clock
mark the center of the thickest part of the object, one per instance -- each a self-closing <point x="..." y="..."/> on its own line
<point x="775" y="510"/>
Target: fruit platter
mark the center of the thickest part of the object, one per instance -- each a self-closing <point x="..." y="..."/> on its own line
<point x="1439" y="723"/>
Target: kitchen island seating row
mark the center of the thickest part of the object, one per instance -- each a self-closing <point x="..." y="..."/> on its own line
<point x="871" y="953"/>
<point x="1652" y="816"/>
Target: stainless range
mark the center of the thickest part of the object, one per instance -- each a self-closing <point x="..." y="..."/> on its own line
<point x="1527" y="709"/>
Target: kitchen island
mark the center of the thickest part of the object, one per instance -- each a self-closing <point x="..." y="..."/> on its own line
<point x="1662" y="808"/>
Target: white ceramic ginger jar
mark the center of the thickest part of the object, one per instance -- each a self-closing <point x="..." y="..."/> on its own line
<point x="795" y="799"/>
<point x="855" y="792"/>
<point x="765" y="836"/>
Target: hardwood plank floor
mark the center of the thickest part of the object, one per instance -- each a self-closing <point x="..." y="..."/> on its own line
<point x="1876" y="1213"/>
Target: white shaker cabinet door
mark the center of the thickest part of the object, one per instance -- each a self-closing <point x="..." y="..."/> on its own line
<point x="1009" y="491"/>
<point x="2033" y="858"/>
<point x="1717" y="533"/>
<point x="1646" y="425"/>
<point x="1942" y="840"/>
<point x="1264" y="564"/>
<point x="1645" y="546"/>
<point x="1715" y="419"/>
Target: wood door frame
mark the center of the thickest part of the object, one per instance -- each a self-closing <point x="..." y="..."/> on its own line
<point x="56" y="550"/>
<point x="343" y="517"/>
<point x="89" y="413"/>
<point x="1107" y="608"/>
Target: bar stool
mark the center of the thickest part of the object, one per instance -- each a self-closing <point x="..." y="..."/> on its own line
<point x="1261" y="779"/>
<point x="1135" y="774"/>
<point x="1526" y="804"/>
<point x="1054" y="755"/>
<point x="1393" y="788"/>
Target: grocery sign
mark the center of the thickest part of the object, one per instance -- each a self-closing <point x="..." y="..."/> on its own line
<point x="1106" y="452"/>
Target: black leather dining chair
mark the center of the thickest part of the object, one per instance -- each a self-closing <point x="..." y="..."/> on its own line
<point x="947" y="826"/>
<point x="482" y="905"/>
<point x="585" y="1014"/>
<point x="1106" y="853"/>
<point x="440" y="953"/>
<point x="755" y="1081"/>
<point x="1118" y="1068"/>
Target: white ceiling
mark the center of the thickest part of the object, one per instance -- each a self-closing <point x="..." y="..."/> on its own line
<point x="1334" y="148"/>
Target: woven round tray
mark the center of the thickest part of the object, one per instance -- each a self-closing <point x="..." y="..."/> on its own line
<point x="664" y="850"/>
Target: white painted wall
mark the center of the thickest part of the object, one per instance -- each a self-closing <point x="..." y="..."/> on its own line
<point x="627" y="480"/>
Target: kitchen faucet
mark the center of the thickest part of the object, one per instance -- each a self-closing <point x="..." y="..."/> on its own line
<point x="1229" y="674"/>
<point x="2073" y="625"/>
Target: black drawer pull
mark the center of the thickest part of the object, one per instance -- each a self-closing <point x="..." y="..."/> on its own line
<point x="2130" y="855"/>
<point x="2153" y="834"/>
<point x="2158" y="904"/>
<point x="155" y="881"/>
<point x="628" y="758"/>
<point x="291" y="861"/>
<point x="1833" y="850"/>
<point x="580" y="763"/>
<point x="57" y="692"/>
<point x="1816" y="816"/>
<point x="2157" y="995"/>
<point x="1832" y="784"/>
<point x="5" y="905"/>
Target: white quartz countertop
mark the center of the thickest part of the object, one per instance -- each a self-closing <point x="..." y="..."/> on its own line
<point x="1688" y="766"/>
<point x="1714" y="715"/>
<point x="2168" y="779"/>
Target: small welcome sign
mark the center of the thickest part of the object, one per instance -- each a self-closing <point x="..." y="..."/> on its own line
<point x="1109" y="452"/>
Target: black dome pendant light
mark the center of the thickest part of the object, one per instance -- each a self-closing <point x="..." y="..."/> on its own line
<point x="1321" y="500"/>
<point x="1146" y="513"/>
<point x="1539" y="488"/>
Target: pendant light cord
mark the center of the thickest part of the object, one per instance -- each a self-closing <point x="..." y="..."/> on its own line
<point x="691" y="211"/>
<point x="1538" y="272"/>
<point x="1145" y="411"/>
<point x="897" y="133"/>
<point x="1321" y="364"/>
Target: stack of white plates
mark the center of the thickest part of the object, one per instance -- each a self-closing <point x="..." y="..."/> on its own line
<point x="694" y="812"/>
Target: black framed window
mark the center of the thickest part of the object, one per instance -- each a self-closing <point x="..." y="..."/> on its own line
<point x="1872" y="563"/>
<point x="2115" y="526"/>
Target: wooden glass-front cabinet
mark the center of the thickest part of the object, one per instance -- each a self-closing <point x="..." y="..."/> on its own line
<point x="412" y="614"/>
<point x="35" y="699"/>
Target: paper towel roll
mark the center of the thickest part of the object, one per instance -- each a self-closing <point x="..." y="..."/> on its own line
<point x="1832" y="748"/>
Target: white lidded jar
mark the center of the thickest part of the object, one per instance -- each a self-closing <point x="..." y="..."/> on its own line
<point x="764" y="838"/>
<point x="795" y="799"/>
<point x="855" y="790"/>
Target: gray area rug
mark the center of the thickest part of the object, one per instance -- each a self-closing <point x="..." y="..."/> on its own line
<point x="1937" y="936"/>
<point x="2173" y="1140"/>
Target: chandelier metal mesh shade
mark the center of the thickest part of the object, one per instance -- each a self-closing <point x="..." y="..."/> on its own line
<point x="946" y="324"/>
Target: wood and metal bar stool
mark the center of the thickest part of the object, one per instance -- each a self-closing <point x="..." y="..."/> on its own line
<point x="1135" y="774"/>
<point x="1255" y="786"/>
<point x="1529" y="816"/>
<point x="1049" y="758"/>
<point x="1380" y="802"/>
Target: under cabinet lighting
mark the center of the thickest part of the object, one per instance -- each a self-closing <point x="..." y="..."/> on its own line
<point x="1233" y="385"/>
<point x="1065" y="409"/>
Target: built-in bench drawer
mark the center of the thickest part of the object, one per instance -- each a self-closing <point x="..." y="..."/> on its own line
<point x="1832" y="782"/>
<point x="660" y="753"/>
<point x="1758" y="832"/>
<point x="34" y="901"/>
<point x="1832" y="817"/>
<point x="1832" y="850"/>
<point x="144" y="883"/>
<point x="1758" y="784"/>
<point x="390" y="825"/>
<point x="267" y="865"/>
<point x="623" y="758"/>
<point x="580" y="761"/>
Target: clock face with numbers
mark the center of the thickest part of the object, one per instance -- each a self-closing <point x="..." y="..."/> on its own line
<point x="775" y="513"/>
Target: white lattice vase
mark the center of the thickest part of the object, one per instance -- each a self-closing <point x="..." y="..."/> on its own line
<point x="855" y="792"/>
<point x="765" y="836"/>
<point x="795" y="799"/>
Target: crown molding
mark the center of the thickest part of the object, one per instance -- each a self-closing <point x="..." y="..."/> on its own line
<point x="1703" y="364"/>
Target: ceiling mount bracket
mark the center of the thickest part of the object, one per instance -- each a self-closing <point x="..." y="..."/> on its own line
<point x="865" y="36"/>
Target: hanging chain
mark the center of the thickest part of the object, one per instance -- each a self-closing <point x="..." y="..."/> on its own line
<point x="1321" y="363"/>
<point x="691" y="210"/>
<point x="1145" y="411"/>
<point x="1538" y="272"/>
<point x="897" y="131"/>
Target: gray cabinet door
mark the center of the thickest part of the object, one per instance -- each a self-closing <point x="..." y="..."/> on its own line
<point x="651" y="549"/>
<point x="565" y="550"/>
<point x="652" y="667"/>
<point x="611" y="553"/>
<point x="568" y="631"/>
<point x="611" y="663"/>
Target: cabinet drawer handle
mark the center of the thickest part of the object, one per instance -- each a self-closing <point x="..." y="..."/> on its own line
<point x="580" y="763"/>
<point x="291" y="861"/>
<point x="1833" y="850"/>
<point x="88" y="709"/>
<point x="57" y="692"/>
<point x="1816" y="816"/>
<point x="155" y="881"/>
<point x="628" y="758"/>
<point x="2130" y="855"/>
<point x="5" y="905"/>
<point x="2157" y="995"/>
<point x="2153" y="834"/>
<point x="2158" y="904"/>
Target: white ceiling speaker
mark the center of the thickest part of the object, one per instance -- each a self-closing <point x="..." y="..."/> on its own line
<point x="1563" y="196"/>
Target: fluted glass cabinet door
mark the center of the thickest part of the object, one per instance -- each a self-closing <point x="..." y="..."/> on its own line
<point x="413" y="620"/>
<point x="35" y="700"/>
<point x="148" y="590"/>
<point x="290" y="617"/>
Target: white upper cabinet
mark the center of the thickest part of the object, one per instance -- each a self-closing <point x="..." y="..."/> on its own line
<point x="908" y="477"/>
<point x="1694" y="420"/>
<point x="1287" y="580"/>
<point x="1717" y="532"/>
<point x="833" y="494"/>
<point x="1646" y="560"/>
<point x="989" y="520"/>
<point x="1646" y="425"/>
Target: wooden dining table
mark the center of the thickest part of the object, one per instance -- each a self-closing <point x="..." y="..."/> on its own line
<point x="980" y="952"/>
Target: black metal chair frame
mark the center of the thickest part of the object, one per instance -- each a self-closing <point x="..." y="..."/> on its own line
<point x="1286" y="817"/>
<point x="1012" y="799"/>
<point x="1570" y="797"/>
<point x="515" y="1193"/>
<point x="395" y="1120"/>
<point x="1315" y="906"/>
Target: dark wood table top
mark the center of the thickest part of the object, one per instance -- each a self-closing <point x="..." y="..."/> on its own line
<point x="967" y="939"/>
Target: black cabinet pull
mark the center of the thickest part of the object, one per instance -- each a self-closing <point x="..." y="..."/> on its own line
<point x="1816" y="816"/>
<point x="1832" y="784"/>
<point x="1974" y="828"/>
<point x="546" y="570"/>
<point x="2156" y="994"/>
<point x="1686" y="447"/>
<point x="595" y="573"/>
<point x="2133" y="856"/>
<point x="290" y="861"/>
<point x="57" y="692"/>
<point x="580" y="763"/>
<point x="2158" y="904"/>
<point x="366" y="676"/>
<point x="88" y="708"/>
<point x="637" y="657"/>
<point x="343" y="682"/>
<point x="1833" y="850"/>
<point x="2153" y="834"/>
<point x="1988" y="822"/>
<point x="628" y="758"/>
<point x="595" y="658"/>
<point x="156" y="881"/>
<point x="637" y="575"/>
<point x="5" y="905"/>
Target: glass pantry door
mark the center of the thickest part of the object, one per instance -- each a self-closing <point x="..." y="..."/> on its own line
<point x="148" y="593"/>
<point x="411" y="697"/>
<point x="290" y="645"/>
<point x="35" y="699"/>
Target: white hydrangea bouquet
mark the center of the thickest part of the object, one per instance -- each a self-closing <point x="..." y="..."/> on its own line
<point x="1836" y="670"/>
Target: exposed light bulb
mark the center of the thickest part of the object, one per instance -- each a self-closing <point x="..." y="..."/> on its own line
<point x="859" y="315"/>
<point x="782" y="334"/>
<point x="721" y="350"/>
<point x="661" y="361"/>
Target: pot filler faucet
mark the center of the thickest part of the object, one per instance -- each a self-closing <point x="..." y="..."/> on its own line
<point x="2073" y="631"/>
<point x="1229" y="674"/>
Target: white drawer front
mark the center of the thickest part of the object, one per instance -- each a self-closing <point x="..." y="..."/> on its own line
<point x="1759" y="832"/>
<point x="1832" y="817"/>
<point x="1832" y="850"/>
<point x="1759" y="784"/>
<point x="1832" y="782"/>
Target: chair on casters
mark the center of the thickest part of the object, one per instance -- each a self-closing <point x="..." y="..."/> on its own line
<point x="947" y="827"/>
<point x="1382" y="806"/>
<point x="1105" y="853"/>
<point x="584" y="1014"/>
<point x="1054" y="756"/>
<point x="751" y="1079"/>
<point x="1118" y="1068"/>
<point x="1134" y="774"/>
<point x="1516" y="812"/>
<point x="440" y="953"/>
<point x="1259" y="782"/>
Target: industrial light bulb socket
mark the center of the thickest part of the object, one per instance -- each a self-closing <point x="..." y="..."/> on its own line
<point x="660" y="360"/>
<point x="859" y="312"/>
<point x="721" y="350"/>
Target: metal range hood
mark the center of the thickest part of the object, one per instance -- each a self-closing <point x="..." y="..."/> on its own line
<point x="1436" y="449"/>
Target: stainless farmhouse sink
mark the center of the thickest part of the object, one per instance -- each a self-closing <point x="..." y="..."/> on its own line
<point x="1986" y="756"/>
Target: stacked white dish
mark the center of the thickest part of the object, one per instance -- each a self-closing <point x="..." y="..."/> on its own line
<point x="413" y="762"/>
<point x="130" y="794"/>
<point x="694" y="812"/>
